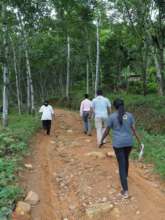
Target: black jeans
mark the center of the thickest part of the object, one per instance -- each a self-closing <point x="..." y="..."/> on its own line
<point x="46" y="125"/>
<point x="122" y="155"/>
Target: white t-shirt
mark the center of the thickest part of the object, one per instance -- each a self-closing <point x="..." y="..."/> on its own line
<point x="86" y="105"/>
<point x="47" y="112"/>
<point x="100" y="105"/>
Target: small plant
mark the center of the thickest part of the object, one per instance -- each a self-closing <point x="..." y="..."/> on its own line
<point x="13" y="146"/>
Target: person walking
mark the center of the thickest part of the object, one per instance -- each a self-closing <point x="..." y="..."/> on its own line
<point x="47" y="116"/>
<point x="85" y="113"/>
<point x="101" y="107"/>
<point x="122" y="124"/>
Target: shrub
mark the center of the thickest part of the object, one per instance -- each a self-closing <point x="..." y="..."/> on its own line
<point x="13" y="146"/>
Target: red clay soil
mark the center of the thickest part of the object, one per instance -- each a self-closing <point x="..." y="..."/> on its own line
<point x="68" y="181"/>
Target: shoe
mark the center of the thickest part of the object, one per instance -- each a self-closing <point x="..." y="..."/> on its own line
<point x="124" y="194"/>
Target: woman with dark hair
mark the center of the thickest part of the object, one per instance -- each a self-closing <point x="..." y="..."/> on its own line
<point x="47" y="116"/>
<point x="123" y="127"/>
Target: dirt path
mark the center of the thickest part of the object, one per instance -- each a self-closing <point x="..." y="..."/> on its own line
<point x="69" y="181"/>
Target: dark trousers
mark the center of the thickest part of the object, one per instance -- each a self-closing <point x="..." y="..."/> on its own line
<point x="86" y="121"/>
<point x="46" y="125"/>
<point x="122" y="155"/>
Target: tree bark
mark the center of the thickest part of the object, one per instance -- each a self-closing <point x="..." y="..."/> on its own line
<point x="87" y="77"/>
<point x="97" y="56"/>
<point x="68" y="68"/>
<point x="158" y="74"/>
<point x="5" y="70"/>
<point x="16" y="77"/>
<point x="144" y="67"/>
<point x="30" y="89"/>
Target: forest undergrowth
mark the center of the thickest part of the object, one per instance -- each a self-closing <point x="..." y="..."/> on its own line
<point x="14" y="142"/>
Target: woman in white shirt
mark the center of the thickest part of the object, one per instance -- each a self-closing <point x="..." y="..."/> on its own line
<point x="47" y="116"/>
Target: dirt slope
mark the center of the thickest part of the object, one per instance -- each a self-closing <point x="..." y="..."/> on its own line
<point x="69" y="181"/>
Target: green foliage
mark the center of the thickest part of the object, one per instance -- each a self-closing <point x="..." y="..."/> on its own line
<point x="154" y="151"/>
<point x="13" y="146"/>
<point x="152" y="87"/>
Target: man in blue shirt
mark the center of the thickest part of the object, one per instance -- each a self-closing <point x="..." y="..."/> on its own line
<point x="101" y="107"/>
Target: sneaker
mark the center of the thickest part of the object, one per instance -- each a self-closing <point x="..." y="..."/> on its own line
<point x="124" y="194"/>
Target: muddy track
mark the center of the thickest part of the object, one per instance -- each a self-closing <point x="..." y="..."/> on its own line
<point x="69" y="181"/>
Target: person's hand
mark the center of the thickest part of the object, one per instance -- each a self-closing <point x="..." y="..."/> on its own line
<point x="101" y="144"/>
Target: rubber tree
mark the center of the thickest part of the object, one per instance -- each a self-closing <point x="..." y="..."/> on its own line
<point x="5" y="67"/>
<point x="16" y="75"/>
<point x="97" y="55"/>
<point x="30" y="89"/>
<point x="68" y="68"/>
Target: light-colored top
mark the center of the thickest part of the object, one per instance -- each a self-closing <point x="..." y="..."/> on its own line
<point x="100" y="106"/>
<point x="85" y="106"/>
<point x="121" y="134"/>
<point x="47" y="112"/>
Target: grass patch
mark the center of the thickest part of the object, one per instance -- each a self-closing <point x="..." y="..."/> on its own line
<point x="154" y="151"/>
<point x="13" y="147"/>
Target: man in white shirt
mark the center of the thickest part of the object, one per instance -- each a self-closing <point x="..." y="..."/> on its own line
<point x="85" y="113"/>
<point x="47" y="116"/>
<point x="101" y="107"/>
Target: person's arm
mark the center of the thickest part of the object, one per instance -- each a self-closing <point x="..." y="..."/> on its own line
<point x="92" y="110"/>
<point x="108" y="107"/>
<point x="135" y="134"/>
<point x="109" y="110"/>
<point x="141" y="145"/>
<point x="41" y="109"/>
<point x="81" y="109"/>
<point x="106" y="132"/>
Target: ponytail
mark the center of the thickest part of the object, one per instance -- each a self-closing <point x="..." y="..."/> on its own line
<point x="119" y="105"/>
<point x="121" y="112"/>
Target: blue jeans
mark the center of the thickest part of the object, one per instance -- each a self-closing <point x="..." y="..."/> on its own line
<point x="122" y="155"/>
<point x="87" y="123"/>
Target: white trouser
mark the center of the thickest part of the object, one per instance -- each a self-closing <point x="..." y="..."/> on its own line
<point x="100" y="124"/>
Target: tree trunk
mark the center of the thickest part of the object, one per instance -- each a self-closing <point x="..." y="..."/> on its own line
<point x="144" y="68"/>
<point x="87" y="77"/>
<point x="5" y="71"/>
<point x="62" y="85"/>
<point x="30" y="82"/>
<point x="30" y="89"/>
<point x="68" y="68"/>
<point x="159" y="63"/>
<point x="158" y="74"/>
<point x="16" y="77"/>
<point x="97" y="56"/>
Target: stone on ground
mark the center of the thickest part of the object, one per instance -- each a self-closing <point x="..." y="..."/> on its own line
<point x="23" y="208"/>
<point x="96" y="154"/>
<point x="16" y="216"/>
<point x="28" y="166"/>
<point x="32" y="198"/>
<point x="98" y="209"/>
